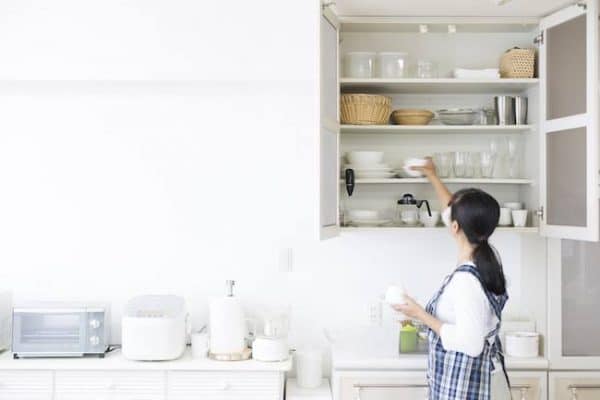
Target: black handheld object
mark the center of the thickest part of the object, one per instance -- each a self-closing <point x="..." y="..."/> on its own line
<point x="350" y="181"/>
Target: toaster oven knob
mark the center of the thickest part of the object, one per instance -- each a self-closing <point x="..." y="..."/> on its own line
<point x="94" y="340"/>
<point x="94" y="324"/>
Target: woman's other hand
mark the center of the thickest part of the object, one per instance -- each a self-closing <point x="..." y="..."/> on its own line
<point x="428" y="169"/>
<point x="411" y="308"/>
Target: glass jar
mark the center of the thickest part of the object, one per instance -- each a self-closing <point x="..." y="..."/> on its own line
<point x="426" y="69"/>
<point x="408" y="341"/>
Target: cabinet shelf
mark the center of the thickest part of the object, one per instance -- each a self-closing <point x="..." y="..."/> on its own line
<point x="438" y="85"/>
<point x="437" y="129"/>
<point x="483" y="181"/>
<point x="527" y="229"/>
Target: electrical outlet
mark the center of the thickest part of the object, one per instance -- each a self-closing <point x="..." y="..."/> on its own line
<point x="374" y="313"/>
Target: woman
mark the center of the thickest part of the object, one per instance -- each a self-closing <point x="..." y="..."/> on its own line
<point x="464" y="315"/>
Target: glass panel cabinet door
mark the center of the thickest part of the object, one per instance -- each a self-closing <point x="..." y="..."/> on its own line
<point x="329" y="130"/>
<point x="568" y="60"/>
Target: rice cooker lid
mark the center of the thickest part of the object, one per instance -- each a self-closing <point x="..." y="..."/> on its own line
<point x="155" y="306"/>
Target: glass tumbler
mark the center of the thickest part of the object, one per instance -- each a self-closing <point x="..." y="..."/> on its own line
<point x="474" y="165"/>
<point x="488" y="161"/>
<point x="443" y="164"/>
<point x="460" y="164"/>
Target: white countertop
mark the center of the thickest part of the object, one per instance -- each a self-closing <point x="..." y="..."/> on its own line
<point x="294" y="392"/>
<point x="377" y="349"/>
<point x="116" y="361"/>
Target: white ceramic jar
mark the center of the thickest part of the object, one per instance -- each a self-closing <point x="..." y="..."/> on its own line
<point x="359" y="64"/>
<point x="391" y="64"/>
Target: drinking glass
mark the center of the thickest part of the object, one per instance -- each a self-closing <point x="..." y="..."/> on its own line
<point x="460" y="164"/>
<point x="443" y="164"/>
<point x="513" y="157"/>
<point x="474" y="165"/>
<point x="426" y="69"/>
<point x="487" y="160"/>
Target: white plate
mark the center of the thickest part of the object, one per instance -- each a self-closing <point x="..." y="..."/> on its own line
<point x="368" y="167"/>
<point x="374" y="175"/>
<point x="378" y="222"/>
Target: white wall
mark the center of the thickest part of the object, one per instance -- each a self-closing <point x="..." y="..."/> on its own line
<point x="111" y="188"/>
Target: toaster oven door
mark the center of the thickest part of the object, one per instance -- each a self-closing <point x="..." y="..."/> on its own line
<point x="61" y="333"/>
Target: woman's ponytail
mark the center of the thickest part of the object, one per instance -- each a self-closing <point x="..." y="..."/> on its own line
<point x="477" y="214"/>
<point x="490" y="268"/>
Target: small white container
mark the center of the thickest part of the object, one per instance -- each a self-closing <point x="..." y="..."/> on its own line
<point x="309" y="368"/>
<point x="429" y="221"/>
<point x="505" y="217"/>
<point x="365" y="158"/>
<point x="522" y="344"/>
<point x="391" y="64"/>
<point x="359" y="64"/>
<point x="200" y="344"/>
<point x="513" y="205"/>
<point x="519" y="218"/>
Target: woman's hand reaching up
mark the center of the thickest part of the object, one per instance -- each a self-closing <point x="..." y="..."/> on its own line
<point x="411" y="308"/>
<point x="428" y="169"/>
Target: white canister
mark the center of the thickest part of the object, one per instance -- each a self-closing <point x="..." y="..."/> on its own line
<point x="391" y="64"/>
<point x="359" y="64"/>
<point x="505" y="217"/>
<point x="522" y="344"/>
<point x="309" y="368"/>
<point x="200" y="344"/>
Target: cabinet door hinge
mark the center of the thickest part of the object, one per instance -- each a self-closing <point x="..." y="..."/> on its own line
<point x="539" y="39"/>
<point x="540" y="213"/>
<point x="582" y="4"/>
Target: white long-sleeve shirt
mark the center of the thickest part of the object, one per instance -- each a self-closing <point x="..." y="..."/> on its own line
<point x="466" y="314"/>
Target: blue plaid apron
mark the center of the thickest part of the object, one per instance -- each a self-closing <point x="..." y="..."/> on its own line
<point x="456" y="376"/>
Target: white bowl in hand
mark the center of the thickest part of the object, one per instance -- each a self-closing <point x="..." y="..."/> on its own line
<point x="414" y="162"/>
<point x="395" y="295"/>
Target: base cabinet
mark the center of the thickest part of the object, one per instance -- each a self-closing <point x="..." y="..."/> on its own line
<point x="109" y="385"/>
<point x="26" y="385"/>
<point x="412" y="385"/>
<point x="574" y="385"/>
<point x="184" y="385"/>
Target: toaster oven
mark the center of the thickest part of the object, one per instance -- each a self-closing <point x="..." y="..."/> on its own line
<point x="52" y="329"/>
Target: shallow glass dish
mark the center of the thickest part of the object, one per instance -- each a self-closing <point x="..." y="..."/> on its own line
<point x="458" y="116"/>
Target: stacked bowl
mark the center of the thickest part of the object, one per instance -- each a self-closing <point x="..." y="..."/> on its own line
<point x="368" y="165"/>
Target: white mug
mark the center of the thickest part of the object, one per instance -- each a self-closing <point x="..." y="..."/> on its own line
<point x="199" y="344"/>
<point x="428" y="221"/>
<point x="505" y="217"/>
<point x="519" y="217"/>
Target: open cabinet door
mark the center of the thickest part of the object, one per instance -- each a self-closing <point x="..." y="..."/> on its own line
<point x="568" y="66"/>
<point x="569" y="123"/>
<point x="329" y="130"/>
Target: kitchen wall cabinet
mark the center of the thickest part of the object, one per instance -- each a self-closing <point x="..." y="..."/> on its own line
<point x="572" y="385"/>
<point x="560" y="186"/>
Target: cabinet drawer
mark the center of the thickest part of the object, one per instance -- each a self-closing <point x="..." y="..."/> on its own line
<point x="26" y="385"/>
<point x="526" y="385"/>
<point x="581" y="385"/>
<point x="184" y="385"/>
<point x="110" y="385"/>
<point x="369" y="385"/>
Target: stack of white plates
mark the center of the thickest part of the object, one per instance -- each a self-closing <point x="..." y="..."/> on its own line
<point x="376" y="171"/>
<point x="366" y="218"/>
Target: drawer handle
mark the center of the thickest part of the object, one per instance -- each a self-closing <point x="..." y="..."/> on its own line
<point x="359" y="386"/>
<point x="575" y="388"/>
<point x="523" y="389"/>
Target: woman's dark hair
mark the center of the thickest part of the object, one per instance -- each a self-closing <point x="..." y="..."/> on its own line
<point x="477" y="213"/>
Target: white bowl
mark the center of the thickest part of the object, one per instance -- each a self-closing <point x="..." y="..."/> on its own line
<point x="363" y="214"/>
<point x="365" y="158"/>
<point x="413" y="162"/>
<point x="395" y="295"/>
<point x="513" y="205"/>
<point x="428" y="221"/>
<point x="522" y="344"/>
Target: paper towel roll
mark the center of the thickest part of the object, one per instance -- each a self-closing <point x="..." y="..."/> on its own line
<point x="227" y="326"/>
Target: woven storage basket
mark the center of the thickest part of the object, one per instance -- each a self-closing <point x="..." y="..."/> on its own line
<point x="365" y="109"/>
<point x="517" y="63"/>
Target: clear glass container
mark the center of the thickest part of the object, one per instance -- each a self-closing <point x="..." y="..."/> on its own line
<point x="426" y="69"/>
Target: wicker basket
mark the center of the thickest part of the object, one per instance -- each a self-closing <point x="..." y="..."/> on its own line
<point x="412" y="117"/>
<point x="365" y="109"/>
<point x="517" y="63"/>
